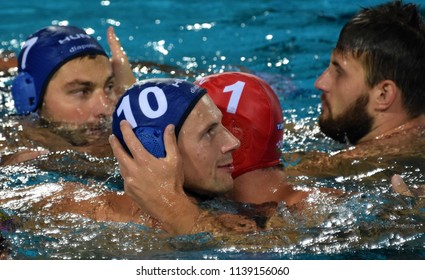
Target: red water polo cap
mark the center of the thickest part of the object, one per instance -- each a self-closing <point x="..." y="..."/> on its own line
<point x="251" y="111"/>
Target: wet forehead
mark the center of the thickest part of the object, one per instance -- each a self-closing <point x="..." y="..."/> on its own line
<point x="203" y="115"/>
<point x="85" y="69"/>
<point x="346" y="61"/>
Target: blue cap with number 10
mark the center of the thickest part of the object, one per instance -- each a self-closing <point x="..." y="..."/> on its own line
<point x="150" y="105"/>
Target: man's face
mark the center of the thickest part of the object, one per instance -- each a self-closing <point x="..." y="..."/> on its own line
<point x="206" y="147"/>
<point x="80" y="99"/>
<point x="345" y="115"/>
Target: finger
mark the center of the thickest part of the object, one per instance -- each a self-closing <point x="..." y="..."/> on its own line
<point x="120" y="64"/>
<point x="399" y="186"/>
<point x="114" y="43"/>
<point x="119" y="152"/>
<point x="122" y="156"/>
<point x="170" y="141"/>
<point x="133" y="143"/>
<point x="173" y="155"/>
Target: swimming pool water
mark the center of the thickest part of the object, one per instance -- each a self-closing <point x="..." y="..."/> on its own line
<point x="288" y="43"/>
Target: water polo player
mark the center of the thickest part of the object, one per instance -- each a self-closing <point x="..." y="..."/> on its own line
<point x="251" y="111"/>
<point x="204" y="148"/>
<point x="66" y="77"/>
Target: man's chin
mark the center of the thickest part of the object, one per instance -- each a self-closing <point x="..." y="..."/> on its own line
<point x="225" y="187"/>
<point x="81" y="135"/>
<point x="331" y="129"/>
<point x="87" y="140"/>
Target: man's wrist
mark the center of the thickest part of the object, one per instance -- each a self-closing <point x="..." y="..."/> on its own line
<point x="182" y="216"/>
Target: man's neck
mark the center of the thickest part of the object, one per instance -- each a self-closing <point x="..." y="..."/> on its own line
<point x="393" y="125"/>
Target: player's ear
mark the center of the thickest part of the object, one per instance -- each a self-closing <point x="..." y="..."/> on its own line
<point x="385" y="94"/>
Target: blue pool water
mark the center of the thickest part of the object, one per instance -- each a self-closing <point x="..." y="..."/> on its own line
<point x="288" y="43"/>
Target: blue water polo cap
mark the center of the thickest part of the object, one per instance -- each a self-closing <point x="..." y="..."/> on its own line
<point x="42" y="55"/>
<point x="150" y="105"/>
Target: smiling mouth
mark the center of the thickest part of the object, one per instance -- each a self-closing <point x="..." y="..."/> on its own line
<point x="228" y="167"/>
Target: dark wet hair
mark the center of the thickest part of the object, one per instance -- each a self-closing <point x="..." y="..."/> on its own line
<point x="389" y="40"/>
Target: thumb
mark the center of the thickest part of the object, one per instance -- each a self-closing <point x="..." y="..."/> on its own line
<point x="399" y="186"/>
<point x="120" y="64"/>
<point x="114" y="43"/>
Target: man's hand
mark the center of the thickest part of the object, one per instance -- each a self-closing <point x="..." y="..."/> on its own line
<point x="124" y="76"/>
<point x="399" y="186"/>
<point x="156" y="184"/>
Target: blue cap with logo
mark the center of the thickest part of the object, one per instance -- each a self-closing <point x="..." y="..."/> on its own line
<point x="150" y="105"/>
<point x="42" y="55"/>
